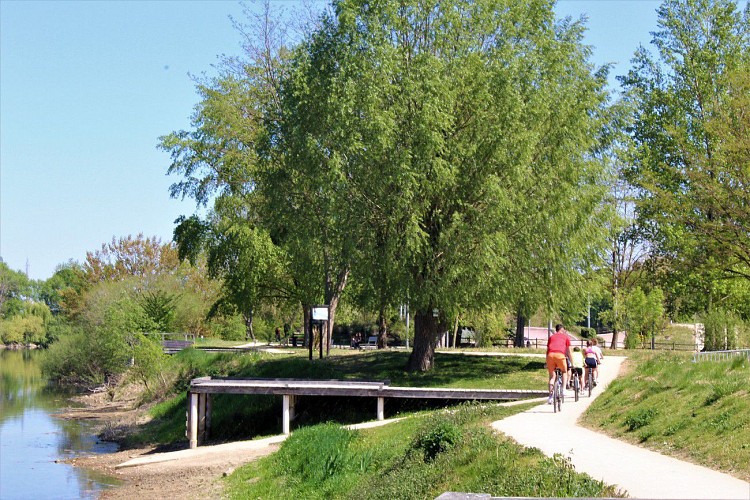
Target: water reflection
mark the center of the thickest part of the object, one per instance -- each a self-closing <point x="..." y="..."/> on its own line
<point x="31" y="440"/>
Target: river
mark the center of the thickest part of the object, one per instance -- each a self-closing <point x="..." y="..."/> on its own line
<point x="33" y="442"/>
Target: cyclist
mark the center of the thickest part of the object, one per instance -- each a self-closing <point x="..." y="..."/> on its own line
<point x="558" y="346"/>
<point x="592" y="360"/>
<point x="577" y="362"/>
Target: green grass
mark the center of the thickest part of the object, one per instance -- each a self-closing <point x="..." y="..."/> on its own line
<point x="419" y="457"/>
<point x="244" y="417"/>
<point x="677" y="334"/>
<point x="695" y="411"/>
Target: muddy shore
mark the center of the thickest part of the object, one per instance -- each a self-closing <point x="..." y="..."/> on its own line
<point x="188" y="478"/>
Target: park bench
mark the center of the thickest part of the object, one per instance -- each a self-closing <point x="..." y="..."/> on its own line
<point x="173" y="346"/>
<point x="372" y="343"/>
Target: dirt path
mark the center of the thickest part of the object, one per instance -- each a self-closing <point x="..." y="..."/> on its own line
<point x="641" y="472"/>
<point x="192" y="476"/>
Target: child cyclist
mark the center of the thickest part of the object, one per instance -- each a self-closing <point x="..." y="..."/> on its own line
<point x="577" y="362"/>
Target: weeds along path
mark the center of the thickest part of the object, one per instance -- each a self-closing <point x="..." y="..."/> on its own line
<point x="640" y="472"/>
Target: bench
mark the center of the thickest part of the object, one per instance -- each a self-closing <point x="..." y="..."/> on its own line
<point x="372" y="343"/>
<point x="173" y="346"/>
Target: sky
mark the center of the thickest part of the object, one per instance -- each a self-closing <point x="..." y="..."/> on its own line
<point x="87" y="88"/>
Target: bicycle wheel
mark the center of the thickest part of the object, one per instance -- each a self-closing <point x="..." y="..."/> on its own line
<point x="590" y="381"/>
<point x="576" y="385"/>
<point x="560" y="396"/>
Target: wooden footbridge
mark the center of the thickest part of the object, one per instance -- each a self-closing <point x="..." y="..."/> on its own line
<point x="201" y="389"/>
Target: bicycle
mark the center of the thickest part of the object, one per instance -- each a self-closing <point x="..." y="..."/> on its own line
<point x="576" y="383"/>
<point x="558" y="396"/>
<point x="590" y="379"/>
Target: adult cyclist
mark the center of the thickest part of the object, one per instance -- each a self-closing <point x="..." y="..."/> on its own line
<point x="558" y="345"/>
<point x="592" y="359"/>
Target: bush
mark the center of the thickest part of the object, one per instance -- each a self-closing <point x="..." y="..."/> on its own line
<point x="88" y="358"/>
<point x="439" y="435"/>
<point x="721" y="330"/>
<point x="640" y="418"/>
<point x="151" y="366"/>
<point x="229" y="327"/>
<point x="588" y="333"/>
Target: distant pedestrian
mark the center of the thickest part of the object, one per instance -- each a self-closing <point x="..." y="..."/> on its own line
<point x="278" y="335"/>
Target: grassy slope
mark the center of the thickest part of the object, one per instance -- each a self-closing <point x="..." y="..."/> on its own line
<point x="419" y="457"/>
<point x="665" y="402"/>
<point x="244" y="417"/>
<point x="698" y="412"/>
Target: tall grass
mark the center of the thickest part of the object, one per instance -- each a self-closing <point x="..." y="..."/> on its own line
<point x="420" y="457"/>
<point x="696" y="411"/>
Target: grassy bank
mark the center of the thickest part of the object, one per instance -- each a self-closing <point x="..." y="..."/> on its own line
<point x="244" y="417"/>
<point x="419" y="457"/>
<point x="695" y="411"/>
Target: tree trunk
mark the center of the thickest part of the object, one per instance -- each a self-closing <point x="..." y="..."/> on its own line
<point x="248" y="317"/>
<point x="613" y="345"/>
<point x="332" y="297"/>
<point x="520" y="325"/>
<point x="427" y="328"/>
<point x="456" y="341"/>
<point x="382" y="329"/>
<point x="306" y="322"/>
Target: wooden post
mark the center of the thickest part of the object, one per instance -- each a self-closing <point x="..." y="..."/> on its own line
<point x="381" y="411"/>
<point x="286" y="413"/>
<point x="209" y="407"/>
<point x="201" y="418"/>
<point x="193" y="420"/>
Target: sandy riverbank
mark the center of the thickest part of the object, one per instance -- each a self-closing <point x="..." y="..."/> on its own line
<point x="190" y="478"/>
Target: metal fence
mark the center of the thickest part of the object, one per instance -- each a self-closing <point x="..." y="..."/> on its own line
<point x="721" y="355"/>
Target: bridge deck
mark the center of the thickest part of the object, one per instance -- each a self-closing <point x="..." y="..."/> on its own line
<point x="201" y="389"/>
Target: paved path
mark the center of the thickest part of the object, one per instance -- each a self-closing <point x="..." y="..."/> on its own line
<point x="640" y="472"/>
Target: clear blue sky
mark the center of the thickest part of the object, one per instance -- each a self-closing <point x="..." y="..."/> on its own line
<point x="86" y="89"/>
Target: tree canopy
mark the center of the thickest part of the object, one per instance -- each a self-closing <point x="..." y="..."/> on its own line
<point x="440" y="154"/>
<point x="691" y="159"/>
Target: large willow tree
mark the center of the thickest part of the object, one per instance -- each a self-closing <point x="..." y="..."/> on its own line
<point x="439" y="153"/>
<point x="447" y="146"/>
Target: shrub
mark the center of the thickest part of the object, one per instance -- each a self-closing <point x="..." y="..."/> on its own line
<point x="438" y="435"/>
<point x="151" y="366"/>
<point x="588" y="333"/>
<point x="720" y="330"/>
<point x="640" y="418"/>
<point x="229" y="327"/>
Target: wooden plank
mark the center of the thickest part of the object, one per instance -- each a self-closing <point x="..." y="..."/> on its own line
<point x="286" y="414"/>
<point x="202" y="417"/>
<point x="193" y="420"/>
<point x="438" y="393"/>
<point x="271" y="381"/>
<point x="357" y="389"/>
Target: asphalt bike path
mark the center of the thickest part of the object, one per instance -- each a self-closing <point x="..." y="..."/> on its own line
<point x="639" y="472"/>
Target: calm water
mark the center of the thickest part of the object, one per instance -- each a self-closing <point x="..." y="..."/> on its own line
<point x="31" y="439"/>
